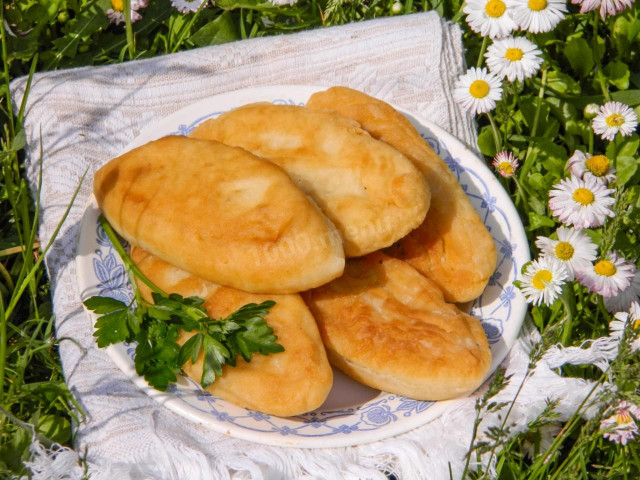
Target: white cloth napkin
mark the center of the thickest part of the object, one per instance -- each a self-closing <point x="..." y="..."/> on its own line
<point x="88" y="115"/>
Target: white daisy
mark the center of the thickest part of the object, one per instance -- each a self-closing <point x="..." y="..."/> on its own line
<point x="187" y="6"/>
<point x="477" y="90"/>
<point x="116" y="12"/>
<point x="626" y="298"/>
<point x="505" y="163"/>
<point x="542" y="281"/>
<point x="581" y="202"/>
<point x="621" y="426"/>
<point x="581" y="164"/>
<point x="573" y="248"/>
<point x="607" y="7"/>
<point x="490" y="17"/>
<point x="607" y="277"/>
<point x="537" y="16"/>
<point x="514" y="58"/>
<point x="614" y="117"/>
<point x="618" y="326"/>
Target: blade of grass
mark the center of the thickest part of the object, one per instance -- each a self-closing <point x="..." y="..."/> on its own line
<point x="5" y="313"/>
<point x="5" y="71"/>
<point x="187" y="28"/>
<point x="27" y="89"/>
<point x="129" y="29"/>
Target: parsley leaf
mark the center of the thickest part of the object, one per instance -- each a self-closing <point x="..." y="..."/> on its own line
<point x="156" y="327"/>
<point x="113" y="326"/>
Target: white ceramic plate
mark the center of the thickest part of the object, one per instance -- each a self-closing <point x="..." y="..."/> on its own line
<point x="353" y="414"/>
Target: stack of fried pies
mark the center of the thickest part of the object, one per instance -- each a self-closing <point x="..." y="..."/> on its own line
<point x="339" y="212"/>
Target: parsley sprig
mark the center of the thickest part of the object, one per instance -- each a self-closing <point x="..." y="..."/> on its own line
<point x="156" y="327"/>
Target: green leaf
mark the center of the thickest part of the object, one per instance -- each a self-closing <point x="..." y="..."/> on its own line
<point x="553" y="157"/>
<point x="220" y="30"/>
<point x="104" y="304"/>
<point x="537" y="205"/>
<point x="215" y="355"/>
<point x="54" y="427"/>
<point x="629" y="146"/>
<point x="112" y="328"/>
<point x="251" y="311"/>
<point x="160" y="375"/>
<point x="17" y="144"/>
<point x="629" y="97"/>
<point x="626" y="168"/>
<point x="624" y="31"/>
<point x="578" y="52"/>
<point x="528" y="107"/>
<point x="562" y="83"/>
<point x="486" y="144"/>
<point x="537" y="221"/>
<point x="190" y="350"/>
<point x="617" y="72"/>
<point x="258" y="338"/>
<point x="538" y="182"/>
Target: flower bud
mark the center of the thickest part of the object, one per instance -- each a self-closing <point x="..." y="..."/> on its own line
<point x="591" y="110"/>
<point x="397" y="8"/>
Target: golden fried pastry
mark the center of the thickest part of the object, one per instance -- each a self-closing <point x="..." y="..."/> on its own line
<point x="389" y="327"/>
<point x="452" y="246"/>
<point x="371" y="192"/>
<point x="288" y="383"/>
<point x="220" y="213"/>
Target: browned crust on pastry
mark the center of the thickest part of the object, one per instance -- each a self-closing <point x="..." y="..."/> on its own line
<point x="289" y="383"/>
<point x="389" y="327"/>
<point x="370" y="191"/>
<point x="452" y="246"/>
<point x="220" y="213"/>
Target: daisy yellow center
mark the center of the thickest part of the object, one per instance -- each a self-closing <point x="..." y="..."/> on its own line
<point x="583" y="196"/>
<point x="506" y="168"/>
<point x="479" y="89"/>
<point x="598" y="165"/>
<point x="623" y="418"/>
<point x="541" y="279"/>
<point x="605" y="268"/>
<point x="537" y="5"/>
<point x="615" y="120"/>
<point x="118" y="5"/>
<point x="636" y="324"/>
<point x="514" y="54"/>
<point x="564" y="250"/>
<point x="495" y="8"/>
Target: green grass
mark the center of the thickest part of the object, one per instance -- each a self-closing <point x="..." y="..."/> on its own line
<point x="542" y="120"/>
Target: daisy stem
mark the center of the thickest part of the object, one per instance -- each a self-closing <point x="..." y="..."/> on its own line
<point x="591" y="141"/>
<point x="568" y="299"/>
<point x="594" y="48"/>
<point x="536" y="118"/>
<point x="602" y="308"/>
<point x="496" y="133"/>
<point x="128" y="28"/>
<point x="614" y="147"/>
<point x="521" y="191"/>
<point x="485" y="43"/>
